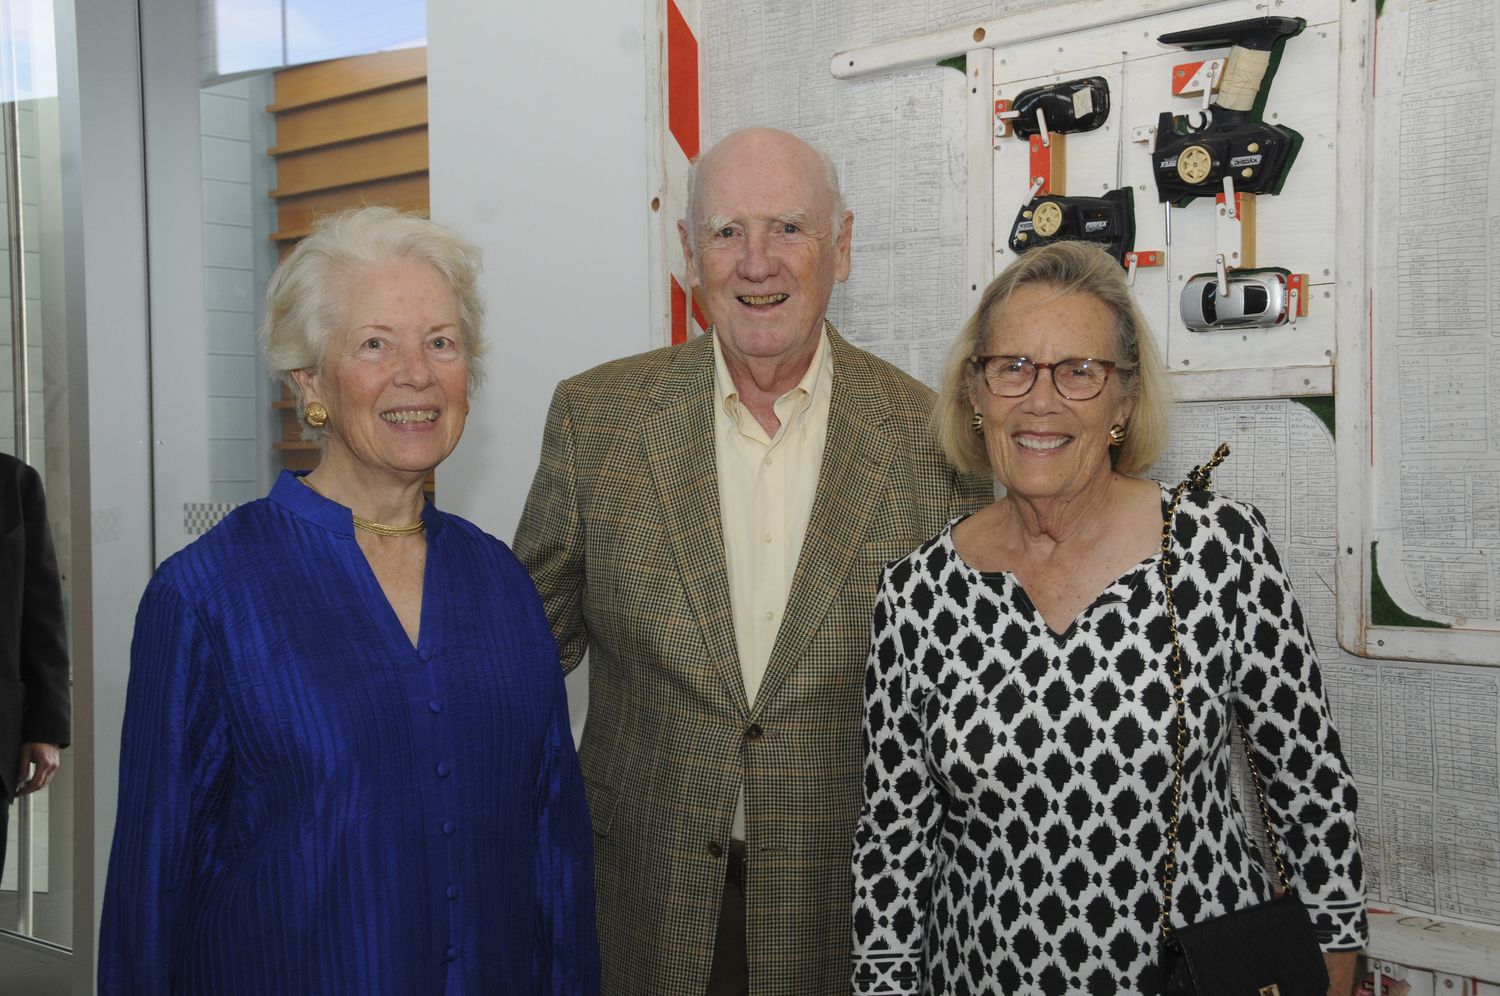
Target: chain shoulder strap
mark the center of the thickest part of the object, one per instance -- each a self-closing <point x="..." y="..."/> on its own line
<point x="1199" y="479"/>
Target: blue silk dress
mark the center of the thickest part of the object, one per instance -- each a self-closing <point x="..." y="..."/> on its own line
<point x="311" y="805"/>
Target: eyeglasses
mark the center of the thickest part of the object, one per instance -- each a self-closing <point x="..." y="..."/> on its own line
<point x="1076" y="380"/>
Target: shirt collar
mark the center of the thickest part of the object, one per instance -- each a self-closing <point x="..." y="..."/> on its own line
<point x="800" y="397"/>
<point x="302" y="501"/>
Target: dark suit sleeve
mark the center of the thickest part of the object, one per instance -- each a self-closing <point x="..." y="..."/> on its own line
<point x="44" y="649"/>
<point x="550" y="537"/>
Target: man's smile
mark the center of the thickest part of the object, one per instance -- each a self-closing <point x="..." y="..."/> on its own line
<point x="761" y="300"/>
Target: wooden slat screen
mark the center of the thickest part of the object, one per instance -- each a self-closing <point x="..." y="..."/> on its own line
<point x="337" y="79"/>
<point x="407" y="193"/>
<point x="361" y="161"/>
<point x="360" y="116"/>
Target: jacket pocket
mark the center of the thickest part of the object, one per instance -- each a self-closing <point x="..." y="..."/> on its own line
<point x="603" y="801"/>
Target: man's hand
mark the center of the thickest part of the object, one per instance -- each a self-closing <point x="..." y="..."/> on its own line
<point x="44" y="756"/>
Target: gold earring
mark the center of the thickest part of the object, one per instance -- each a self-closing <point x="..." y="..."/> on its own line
<point x="1116" y="434"/>
<point x="314" y="414"/>
<point x="977" y="422"/>
<point x="468" y="407"/>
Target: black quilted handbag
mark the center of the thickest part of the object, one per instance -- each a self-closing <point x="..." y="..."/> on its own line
<point x="1264" y="950"/>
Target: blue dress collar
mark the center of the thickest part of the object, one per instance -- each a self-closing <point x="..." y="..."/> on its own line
<point x="302" y="501"/>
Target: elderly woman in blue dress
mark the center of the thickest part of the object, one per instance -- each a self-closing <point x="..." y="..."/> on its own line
<point x="1021" y="691"/>
<point x="346" y="762"/>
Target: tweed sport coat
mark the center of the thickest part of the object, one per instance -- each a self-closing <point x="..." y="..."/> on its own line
<point x="622" y="535"/>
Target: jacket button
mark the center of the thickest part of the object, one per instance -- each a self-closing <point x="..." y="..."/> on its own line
<point x="755" y="732"/>
<point x="714" y="850"/>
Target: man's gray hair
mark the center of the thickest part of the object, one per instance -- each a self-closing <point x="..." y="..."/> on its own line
<point x="304" y="303"/>
<point x="830" y="180"/>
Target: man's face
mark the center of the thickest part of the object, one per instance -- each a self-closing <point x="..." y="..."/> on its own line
<point x="764" y="252"/>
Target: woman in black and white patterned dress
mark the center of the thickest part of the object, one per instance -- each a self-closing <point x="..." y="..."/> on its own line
<point x="1019" y="696"/>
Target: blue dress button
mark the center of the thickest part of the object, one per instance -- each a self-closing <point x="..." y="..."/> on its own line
<point x="426" y="655"/>
<point x="449" y="828"/>
<point x="453" y="954"/>
<point x="443" y="769"/>
<point x="435" y="705"/>
<point x="452" y="892"/>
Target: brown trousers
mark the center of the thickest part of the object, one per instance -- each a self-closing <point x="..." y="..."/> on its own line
<point x="730" y="972"/>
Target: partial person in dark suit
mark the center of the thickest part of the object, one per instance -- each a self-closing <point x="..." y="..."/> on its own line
<point x="35" y="702"/>
<point x="709" y="521"/>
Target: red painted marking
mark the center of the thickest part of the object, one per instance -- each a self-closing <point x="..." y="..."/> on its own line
<point x="698" y="315"/>
<point x="1005" y="130"/>
<point x="679" y="312"/>
<point x="1181" y="74"/>
<point x="1301" y="282"/>
<point x="682" y="81"/>
<point x="1041" y="163"/>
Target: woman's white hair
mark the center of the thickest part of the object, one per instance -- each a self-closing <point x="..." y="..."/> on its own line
<point x="304" y="302"/>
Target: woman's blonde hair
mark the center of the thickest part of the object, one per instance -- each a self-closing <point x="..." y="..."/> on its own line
<point x="1069" y="268"/>
<point x="304" y="304"/>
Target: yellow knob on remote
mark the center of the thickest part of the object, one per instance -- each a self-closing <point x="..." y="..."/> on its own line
<point x="1195" y="164"/>
<point x="1048" y="219"/>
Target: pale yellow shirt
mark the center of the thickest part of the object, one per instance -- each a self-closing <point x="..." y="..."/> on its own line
<point x="766" y="491"/>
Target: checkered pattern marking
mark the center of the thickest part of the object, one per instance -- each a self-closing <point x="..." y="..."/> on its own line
<point x="198" y="517"/>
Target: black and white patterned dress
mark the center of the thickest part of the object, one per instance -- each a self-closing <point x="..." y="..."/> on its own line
<point x="1018" y="782"/>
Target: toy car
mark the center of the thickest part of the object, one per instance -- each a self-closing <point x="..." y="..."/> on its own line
<point x="1256" y="299"/>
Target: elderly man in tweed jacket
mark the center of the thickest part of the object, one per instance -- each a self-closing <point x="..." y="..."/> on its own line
<point x="709" y="521"/>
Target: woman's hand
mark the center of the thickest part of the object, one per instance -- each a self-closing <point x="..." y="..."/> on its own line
<point x="1340" y="972"/>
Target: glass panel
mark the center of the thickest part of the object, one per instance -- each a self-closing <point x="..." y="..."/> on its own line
<point x="266" y="34"/>
<point x="33" y="367"/>
<point x="247" y="35"/>
<point x="40" y="811"/>
<point x="332" y="29"/>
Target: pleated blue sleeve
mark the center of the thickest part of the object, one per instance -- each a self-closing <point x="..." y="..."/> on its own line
<point x="567" y="942"/>
<point x="174" y="760"/>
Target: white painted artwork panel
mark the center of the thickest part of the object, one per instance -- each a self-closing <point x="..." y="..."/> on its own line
<point x="1434" y="513"/>
<point x="1295" y="230"/>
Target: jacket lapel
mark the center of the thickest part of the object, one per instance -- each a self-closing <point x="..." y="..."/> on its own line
<point x="851" y="485"/>
<point x="679" y="441"/>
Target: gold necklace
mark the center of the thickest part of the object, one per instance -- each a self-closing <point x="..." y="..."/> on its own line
<point x="378" y="528"/>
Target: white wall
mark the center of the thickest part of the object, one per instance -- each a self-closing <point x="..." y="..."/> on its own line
<point x="100" y="90"/>
<point x="538" y="149"/>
